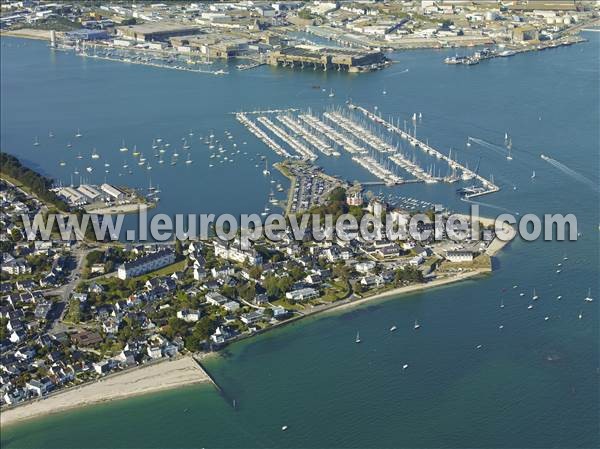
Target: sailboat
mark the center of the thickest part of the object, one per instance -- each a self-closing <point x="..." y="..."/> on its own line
<point x="580" y="316"/>
<point x="69" y="145"/>
<point x="78" y="133"/>
<point x="331" y="94"/>
<point x="393" y="328"/>
<point x="266" y="171"/>
<point x="89" y="169"/>
<point x="416" y="325"/>
<point x="533" y="175"/>
<point x="50" y="134"/>
<point x="154" y="145"/>
<point x="135" y="151"/>
<point x="414" y="117"/>
<point x="123" y="148"/>
<point x="589" y="298"/>
<point x="95" y="155"/>
<point x="502" y="304"/>
<point x="188" y="160"/>
<point x="357" y="340"/>
<point x="509" y="155"/>
<point x="535" y="296"/>
<point x="36" y="142"/>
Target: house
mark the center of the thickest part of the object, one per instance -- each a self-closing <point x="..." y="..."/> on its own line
<point x="40" y="387"/>
<point x="236" y="253"/>
<point x="231" y="306"/>
<point x="459" y="255"/>
<point x="215" y="299"/>
<point x="252" y="317"/>
<point x="154" y="351"/>
<point x="302" y="294"/>
<point x="102" y="367"/>
<point x="189" y="315"/>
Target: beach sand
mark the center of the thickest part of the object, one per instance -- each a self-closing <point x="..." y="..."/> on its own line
<point x="136" y="381"/>
<point x="28" y="33"/>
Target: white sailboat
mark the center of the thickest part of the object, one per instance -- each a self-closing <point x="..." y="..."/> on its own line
<point x="36" y="142"/>
<point x="78" y="134"/>
<point x="331" y="94"/>
<point x="533" y="175"/>
<point x="589" y="298"/>
<point x="416" y="325"/>
<point x="357" y="340"/>
<point x="535" y="296"/>
<point x="266" y="171"/>
<point x="123" y="148"/>
<point x="393" y="328"/>
<point x="95" y="155"/>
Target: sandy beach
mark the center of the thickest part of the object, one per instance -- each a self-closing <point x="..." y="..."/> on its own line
<point x="29" y="33"/>
<point x="136" y="381"/>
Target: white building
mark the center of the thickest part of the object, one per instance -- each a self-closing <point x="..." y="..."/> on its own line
<point x="147" y="263"/>
<point x="303" y="294"/>
<point x="113" y="192"/>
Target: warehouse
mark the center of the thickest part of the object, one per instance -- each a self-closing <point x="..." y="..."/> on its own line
<point x="156" y="31"/>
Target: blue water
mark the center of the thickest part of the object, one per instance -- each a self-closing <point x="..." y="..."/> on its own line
<point x="532" y="384"/>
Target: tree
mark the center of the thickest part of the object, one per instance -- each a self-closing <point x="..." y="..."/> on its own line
<point x="74" y="311"/>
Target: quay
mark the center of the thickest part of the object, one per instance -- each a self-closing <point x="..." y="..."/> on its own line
<point x="467" y="174"/>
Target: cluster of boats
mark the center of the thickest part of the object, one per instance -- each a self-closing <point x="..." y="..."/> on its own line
<point x="481" y="55"/>
<point x="260" y="134"/>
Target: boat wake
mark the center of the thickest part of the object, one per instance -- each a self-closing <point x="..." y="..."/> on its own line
<point x="491" y="146"/>
<point x="491" y="206"/>
<point x="571" y="173"/>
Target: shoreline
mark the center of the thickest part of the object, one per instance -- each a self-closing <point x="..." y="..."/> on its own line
<point x="159" y="376"/>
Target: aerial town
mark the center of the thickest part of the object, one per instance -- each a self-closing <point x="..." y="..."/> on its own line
<point x="191" y="36"/>
<point x="73" y="311"/>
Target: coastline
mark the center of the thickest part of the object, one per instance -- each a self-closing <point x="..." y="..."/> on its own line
<point x="163" y="375"/>
<point x="28" y="33"/>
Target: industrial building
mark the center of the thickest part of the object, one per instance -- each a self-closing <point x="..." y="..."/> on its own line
<point x="326" y="58"/>
<point x="86" y="35"/>
<point x="160" y="31"/>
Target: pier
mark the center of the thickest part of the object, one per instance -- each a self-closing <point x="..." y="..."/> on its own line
<point x="300" y="148"/>
<point x="467" y="174"/>
<point x="260" y="134"/>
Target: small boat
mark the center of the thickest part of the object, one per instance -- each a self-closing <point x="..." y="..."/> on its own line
<point x="405" y="366"/>
<point x="580" y="316"/>
<point x="589" y="298"/>
<point x="535" y="296"/>
<point x="188" y="160"/>
<point x="501" y="326"/>
<point x="559" y="297"/>
<point x="78" y="134"/>
<point x="393" y="328"/>
<point x="502" y="304"/>
<point x="62" y="163"/>
<point x="533" y="175"/>
<point x="135" y="151"/>
<point x="331" y="94"/>
<point x="416" y="325"/>
<point x="384" y="92"/>
<point x="414" y="117"/>
<point x="50" y="134"/>
<point x="89" y="169"/>
<point x="284" y="428"/>
<point x="357" y="340"/>
<point x="79" y="156"/>
<point x="266" y="171"/>
<point x="123" y="148"/>
<point x="478" y="346"/>
<point x="95" y="155"/>
<point x="546" y="318"/>
<point x="558" y="271"/>
<point x="69" y="145"/>
<point x="36" y="142"/>
<point x="530" y="306"/>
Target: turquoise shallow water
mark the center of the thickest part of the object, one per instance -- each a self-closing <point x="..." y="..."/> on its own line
<point x="532" y="384"/>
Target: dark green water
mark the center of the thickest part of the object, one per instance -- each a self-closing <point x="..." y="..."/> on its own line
<point x="532" y="384"/>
